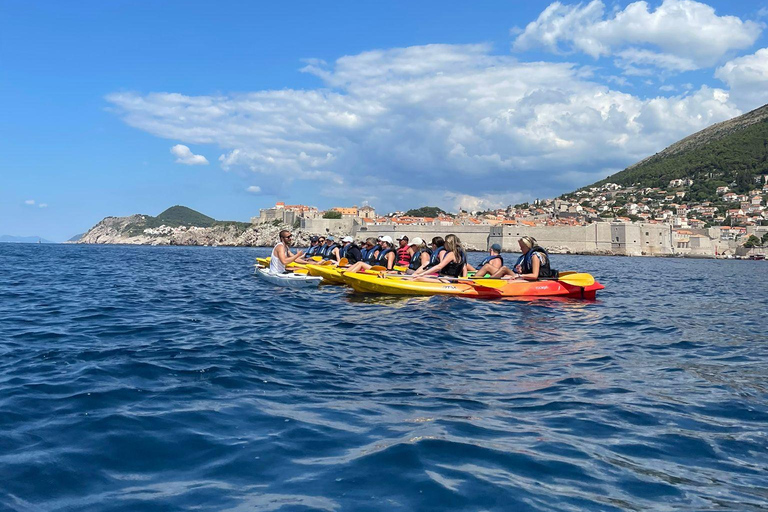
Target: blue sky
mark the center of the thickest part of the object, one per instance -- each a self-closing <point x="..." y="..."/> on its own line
<point x="114" y="108"/>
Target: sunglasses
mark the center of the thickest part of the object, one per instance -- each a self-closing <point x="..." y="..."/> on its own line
<point x="288" y="236"/>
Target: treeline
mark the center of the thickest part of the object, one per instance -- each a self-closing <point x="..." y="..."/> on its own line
<point x="736" y="158"/>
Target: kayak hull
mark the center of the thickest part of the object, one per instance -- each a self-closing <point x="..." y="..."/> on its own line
<point x="288" y="280"/>
<point x="330" y="274"/>
<point x="493" y="288"/>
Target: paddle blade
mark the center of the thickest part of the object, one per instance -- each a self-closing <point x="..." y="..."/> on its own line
<point x="400" y="268"/>
<point x="378" y="268"/>
<point x="317" y="258"/>
<point x="578" y="279"/>
<point x="343" y="262"/>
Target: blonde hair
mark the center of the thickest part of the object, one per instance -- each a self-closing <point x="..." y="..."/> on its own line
<point x="453" y="244"/>
<point x="528" y="241"/>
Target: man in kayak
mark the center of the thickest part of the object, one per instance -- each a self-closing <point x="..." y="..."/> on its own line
<point x="281" y="254"/>
<point x="491" y="264"/>
<point x="330" y="251"/>
<point x="532" y="265"/>
<point x="404" y="251"/>
<point x="350" y="250"/>
<point x="384" y="257"/>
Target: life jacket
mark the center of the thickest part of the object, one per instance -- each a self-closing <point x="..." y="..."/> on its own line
<point x="454" y="269"/>
<point x="352" y="253"/>
<point x="312" y="250"/>
<point x="435" y="258"/>
<point x="490" y="258"/>
<point x="526" y="263"/>
<point x="382" y="258"/>
<point x="343" y="250"/>
<point x="402" y="256"/>
<point x="370" y="257"/>
<point x="416" y="259"/>
<point x="327" y="253"/>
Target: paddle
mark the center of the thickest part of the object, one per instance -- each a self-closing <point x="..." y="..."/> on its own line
<point x="317" y="258"/>
<point x="572" y="278"/>
<point x="577" y="279"/>
<point x="343" y="262"/>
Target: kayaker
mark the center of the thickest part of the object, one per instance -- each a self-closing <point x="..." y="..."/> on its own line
<point x="281" y="254"/>
<point x="421" y="255"/>
<point x="368" y="249"/>
<point x="532" y="265"/>
<point x="452" y="264"/>
<point x="491" y="264"/>
<point x="438" y="250"/>
<point x="404" y="251"/>
<point x="314" y="246"/>
<point x="350" y="250"/>
<point x="330" y="250"/>
<point x="385" y="257"/>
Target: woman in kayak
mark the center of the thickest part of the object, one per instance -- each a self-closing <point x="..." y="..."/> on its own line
<point x="421" y="255"/>
<point x="385" y="257"/>
<point x="281" y="254"/>
<point x="453" y="264"/>
<point x="532" y="265"/>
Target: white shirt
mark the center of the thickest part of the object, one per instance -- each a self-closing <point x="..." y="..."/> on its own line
<point x="275" y="265"/>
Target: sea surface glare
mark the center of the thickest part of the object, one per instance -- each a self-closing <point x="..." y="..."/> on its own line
<point x="171" y="378"/>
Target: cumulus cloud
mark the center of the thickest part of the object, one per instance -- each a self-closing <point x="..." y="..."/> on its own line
<point x="30" y="202"/>
<point x="747" y="78"/>
<point x="682" y="34"/>
<point x="43" y="205"/>
<point x="253" y="189"/>
<point x="445" y="122"/>
<point x="185" y="156"/>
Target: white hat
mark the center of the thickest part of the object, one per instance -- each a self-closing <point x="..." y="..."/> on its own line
<point x="401" y="237"/>
<point x="347" y="239"/>
<point x="386" y="238"/>
<point x="416" y="241"/>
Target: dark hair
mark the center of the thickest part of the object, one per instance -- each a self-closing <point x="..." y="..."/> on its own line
<point x="284" y="232"/>
<point x="438" y="241"/>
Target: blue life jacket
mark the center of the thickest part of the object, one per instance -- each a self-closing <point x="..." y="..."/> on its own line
<point x="343" y="250"/>
<point x="526" y="263"/>
<point x="435" y="259"/>
<point x="328" y="253"/>
<point x="312" y="250"/>
<point x="416" y="259"/>
<point x="489" y="259"/>
<point x="370" y="256"/>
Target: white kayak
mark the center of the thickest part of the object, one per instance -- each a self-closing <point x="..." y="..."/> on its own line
<point x="290" y="280"/>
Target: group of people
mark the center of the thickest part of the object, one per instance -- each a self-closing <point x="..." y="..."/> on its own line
<point x="441" y="258"/>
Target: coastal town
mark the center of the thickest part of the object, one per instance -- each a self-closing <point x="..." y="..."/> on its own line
<point x="681" y="224"/>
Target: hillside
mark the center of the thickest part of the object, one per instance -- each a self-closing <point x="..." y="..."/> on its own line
<point x="731" y="153"/>
<point x="177" y="225"/>
<point x="23" y="240"/>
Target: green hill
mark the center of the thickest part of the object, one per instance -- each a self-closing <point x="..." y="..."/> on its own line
<point x="733" y="153"/>
<point x="183" y="216"/>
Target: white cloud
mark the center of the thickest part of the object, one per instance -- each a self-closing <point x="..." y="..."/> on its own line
<point x="747" y="77"/>
<point x="689" y="34"/>
<point x="253" y="189"/>
<point x="30" y="202"/>
<point x="185" y="156"/>
<point x="429" y="119"/>
<point x="43" y="205"/>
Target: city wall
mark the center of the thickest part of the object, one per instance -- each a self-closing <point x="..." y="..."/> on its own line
<point x="596" y="238"/>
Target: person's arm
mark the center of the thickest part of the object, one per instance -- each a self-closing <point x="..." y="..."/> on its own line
<point x="284" y="258"/>
<point x="336" y="254"/>
<point x="535" y="266"/>
<point x="447" y="258"/>
<point x="391" y="260"/>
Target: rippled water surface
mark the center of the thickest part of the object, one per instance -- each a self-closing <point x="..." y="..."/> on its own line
<point x="138" y="378"/>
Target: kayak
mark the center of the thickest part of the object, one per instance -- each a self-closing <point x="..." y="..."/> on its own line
<point x="330" y="274"/>
<point x="290" y="280"/>
<point x="264" y="262"/>
<point x="482" y="288"/>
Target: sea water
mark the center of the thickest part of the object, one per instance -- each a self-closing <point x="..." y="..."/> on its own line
<point x="170" y="378"/>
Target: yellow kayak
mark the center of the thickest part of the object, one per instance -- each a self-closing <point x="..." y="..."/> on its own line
<point x="330" y="273"/>
<point x="265" y="263"/>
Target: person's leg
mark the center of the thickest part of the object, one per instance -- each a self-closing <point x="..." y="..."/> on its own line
<point x="502" y="272"/>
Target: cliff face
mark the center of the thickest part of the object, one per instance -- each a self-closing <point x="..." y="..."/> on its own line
<point x="134" y="230"/>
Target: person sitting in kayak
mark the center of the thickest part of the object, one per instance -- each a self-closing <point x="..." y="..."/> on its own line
<point x="491" y="264"/>
<point x="421" y="255"/>
<point x="532" y="265"/>
<point x="314" y="246"/>
<point x="368" y="250"/>
<point x="330" y="251"/>
<point x="385" y="257"/>
<point x="281" y="254"/>
<point x="404" y="251"/>
<point x="452" y="264"/>
<point x="437" y="252"/>
<point x="350" y="251"/>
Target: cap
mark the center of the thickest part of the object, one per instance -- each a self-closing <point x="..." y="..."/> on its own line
<point x="496" y="247"/>
<point x="347" y="239"/>
<point x="314" y="238"/>
<point x="386" y="238"/>
<point x="402" y="237"/>
<point x="379" y="237"/>
<point x="416" y="241"/>
<point x="329" y="237"/>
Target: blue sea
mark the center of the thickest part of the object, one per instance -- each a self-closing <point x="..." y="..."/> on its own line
<point x="170" y="379"/>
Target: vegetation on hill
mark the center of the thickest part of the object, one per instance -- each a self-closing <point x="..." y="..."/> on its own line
<point x="426" y="211"/>
<point x="731" y="159"/>
<point x="176" y="216"/>
<point x="332" y="214"/>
